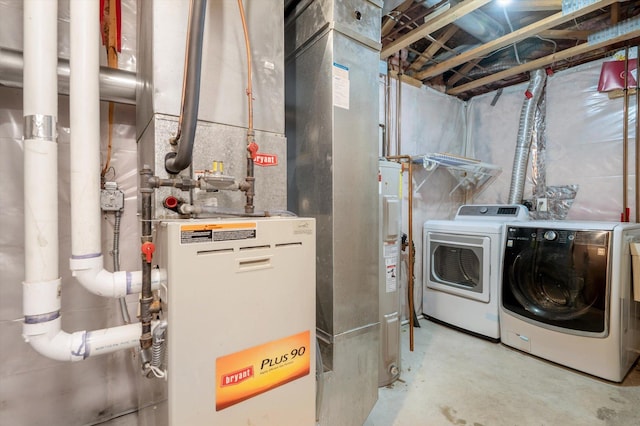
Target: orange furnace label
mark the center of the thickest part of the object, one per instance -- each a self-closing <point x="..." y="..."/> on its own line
<point x="245" y="374"/>
<point x="215" y="232"/>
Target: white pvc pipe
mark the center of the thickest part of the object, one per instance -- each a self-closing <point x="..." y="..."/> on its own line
<point x="40" y="151"/>
<point x="86" y="261"/>
<point x="56" y="344"/>
<point x="91" y="274"/>
<point x="85" y="129"/>
<point x="42" y="284"/>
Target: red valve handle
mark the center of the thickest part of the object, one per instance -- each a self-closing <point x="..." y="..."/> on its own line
<point x="253" y="150"/>
<point x="148" y="248"/>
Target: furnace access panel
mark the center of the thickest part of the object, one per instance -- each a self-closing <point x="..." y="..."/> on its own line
<point x="241" y="313"/>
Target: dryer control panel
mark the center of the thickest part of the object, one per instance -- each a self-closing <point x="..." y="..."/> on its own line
<point x="501" y="212"/>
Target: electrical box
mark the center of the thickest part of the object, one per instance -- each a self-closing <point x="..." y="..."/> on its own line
<point x="241" y="313"/>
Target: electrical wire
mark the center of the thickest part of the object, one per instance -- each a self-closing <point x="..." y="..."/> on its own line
<point x="115" y="253"/>
<point x="107" y="163"/>
<point x="515" y="48"/>
<point x="158" y="372"/>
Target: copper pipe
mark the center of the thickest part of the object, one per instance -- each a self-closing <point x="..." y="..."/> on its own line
<point x="399" y="110"/>
<point x="386" y="147"/>
<point x="247" y="45"/>
<point x="625" y="145"/>
<point x="252" y="147"/>
<point x="399" y="159"/>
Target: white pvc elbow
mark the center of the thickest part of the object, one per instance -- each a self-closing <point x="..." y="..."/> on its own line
<point x="50" y="340"/>
<point x="91" y="274"/>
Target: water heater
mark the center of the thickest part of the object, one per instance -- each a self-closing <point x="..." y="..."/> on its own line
<point x="389" y="179"/>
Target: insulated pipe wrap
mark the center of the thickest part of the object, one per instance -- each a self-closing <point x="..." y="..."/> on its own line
<point x="191" y="90"/>
<point x="525" y="131"/>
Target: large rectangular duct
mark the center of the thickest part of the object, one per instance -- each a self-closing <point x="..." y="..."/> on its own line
<point x="332" y="53"/>
<point x="223" y="110"/>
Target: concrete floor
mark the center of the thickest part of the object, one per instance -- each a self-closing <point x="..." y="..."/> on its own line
<point x="452" y="378"/>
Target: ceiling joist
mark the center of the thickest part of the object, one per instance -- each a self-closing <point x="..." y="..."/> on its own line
<point x="460" y="74"/>
<point x="433" y="48"/>
<point x="541" y="62"/>
<point x="565" y="34"/>
<point x="534" y="5"/>
<point x="432" y="25"/>
<point x="514" y="37"/>
<point x="390" y="21"/>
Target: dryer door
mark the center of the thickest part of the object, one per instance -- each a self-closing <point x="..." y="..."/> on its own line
<point x="557" y="278"/>
<point x="459" y="264"/>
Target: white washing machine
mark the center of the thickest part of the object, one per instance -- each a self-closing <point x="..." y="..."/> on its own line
<point x="461" y="267"/>
<point x="566" y="295"/>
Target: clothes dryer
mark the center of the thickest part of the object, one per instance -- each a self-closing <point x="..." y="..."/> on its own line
<point x="566" y="295"/>
<point x="461" y="267"/>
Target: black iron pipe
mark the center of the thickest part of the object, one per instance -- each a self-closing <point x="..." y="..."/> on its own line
<point x="146" y="299"/>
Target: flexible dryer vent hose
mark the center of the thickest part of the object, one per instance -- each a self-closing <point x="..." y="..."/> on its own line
<point x="525" y="133"/>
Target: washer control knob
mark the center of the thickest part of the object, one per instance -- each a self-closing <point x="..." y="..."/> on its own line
<point x="550" y="235"/>
<point x="483" y="210"/>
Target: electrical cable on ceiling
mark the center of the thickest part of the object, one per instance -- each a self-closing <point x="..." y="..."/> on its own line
<point x="515" y="48"/>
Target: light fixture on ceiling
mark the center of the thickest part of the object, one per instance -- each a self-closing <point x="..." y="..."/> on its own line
<point x="503" y="3"/>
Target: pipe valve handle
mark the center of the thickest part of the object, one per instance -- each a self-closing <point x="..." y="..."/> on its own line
<point x="147" y="249"/>
<point x="253" y="150"/>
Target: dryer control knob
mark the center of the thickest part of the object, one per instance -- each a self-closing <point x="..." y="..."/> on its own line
<point x="550" y="235"/>
<point x="483" y="210"/>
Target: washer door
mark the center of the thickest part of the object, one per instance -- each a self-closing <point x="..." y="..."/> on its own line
<point x="557" y="277"/>
<point x="459" y="264"/>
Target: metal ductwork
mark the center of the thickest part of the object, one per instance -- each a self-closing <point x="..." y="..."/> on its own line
<point x="477" y="23"/>
<point x="115" y="85"/>
<point x="525" y="132"/>
<point x="332" y="53"/>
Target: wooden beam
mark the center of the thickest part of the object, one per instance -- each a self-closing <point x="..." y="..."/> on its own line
<point x="433" y="48"/>
<point x="405" y="79"/>
<point x="534" y="5"/>
<point x="615" y="13"/>
<point x="456" y="12"/>
<point x="389" y="23"/>
<point x="565" y="34"/>
<point x="514" y="37"/>
<point x="462" y="72"/>
<point x="541" y="63"/>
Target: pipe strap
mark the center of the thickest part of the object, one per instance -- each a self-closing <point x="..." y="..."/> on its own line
<point x="40" y="127"/>
<point x="38" y="319"/>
